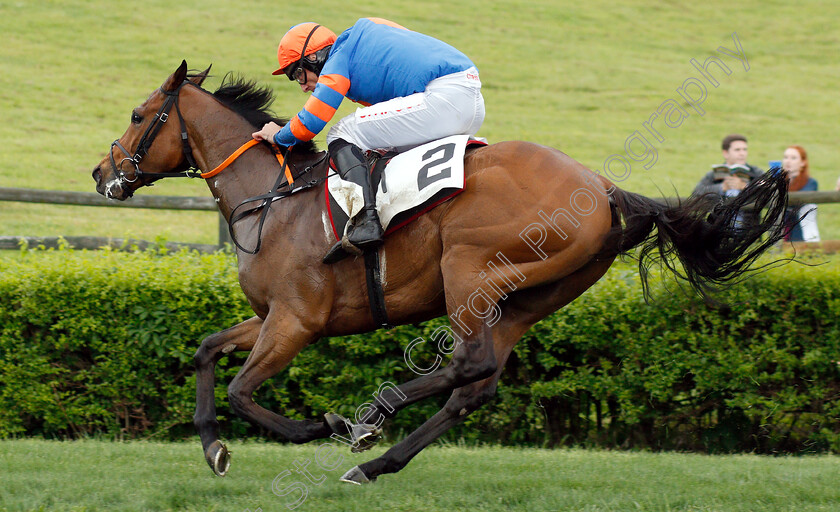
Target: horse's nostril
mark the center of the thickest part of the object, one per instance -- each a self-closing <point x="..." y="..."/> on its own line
<point x="97" y="174"/>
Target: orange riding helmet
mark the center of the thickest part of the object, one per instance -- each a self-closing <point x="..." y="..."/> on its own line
<point x="300" y="41"/>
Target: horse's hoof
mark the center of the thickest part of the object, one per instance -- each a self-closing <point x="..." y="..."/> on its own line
<point x="365" y="437"/>
<point x="356" y="476"/>
<point x="218" y="457"/>
<point x="338" y="423"/>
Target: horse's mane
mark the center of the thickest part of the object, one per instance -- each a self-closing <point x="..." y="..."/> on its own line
<point x="252" y="102"/>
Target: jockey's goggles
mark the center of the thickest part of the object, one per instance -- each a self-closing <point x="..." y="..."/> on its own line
<point x="296" y="72"/>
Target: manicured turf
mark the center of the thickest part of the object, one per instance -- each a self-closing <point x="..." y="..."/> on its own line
<point x="144" y="476"/>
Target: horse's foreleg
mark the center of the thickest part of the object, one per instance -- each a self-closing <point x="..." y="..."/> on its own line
<point x="280" y="340"/>
<point x="239" y="337"/>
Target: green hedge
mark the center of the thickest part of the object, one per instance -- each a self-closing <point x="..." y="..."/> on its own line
<point x="101" y="343"/>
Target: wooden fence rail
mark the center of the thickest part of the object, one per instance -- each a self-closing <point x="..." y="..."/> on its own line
<point x="27" y="195"/>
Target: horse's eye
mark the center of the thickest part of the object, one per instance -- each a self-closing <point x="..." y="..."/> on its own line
<point x="135" y="118"/>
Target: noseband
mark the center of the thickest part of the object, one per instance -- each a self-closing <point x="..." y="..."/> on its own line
<point x="148" y="138"/>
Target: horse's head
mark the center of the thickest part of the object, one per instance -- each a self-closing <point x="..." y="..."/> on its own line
<point x="155" y="139"/>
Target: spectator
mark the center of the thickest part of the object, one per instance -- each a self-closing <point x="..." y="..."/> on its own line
<point x="732" y="176"/>
<point x="795" y="165"/>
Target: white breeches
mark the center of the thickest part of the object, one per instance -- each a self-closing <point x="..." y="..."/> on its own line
<point x="450" y="105"/>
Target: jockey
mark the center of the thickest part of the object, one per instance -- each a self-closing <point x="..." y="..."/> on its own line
<point x="414" y="89"/>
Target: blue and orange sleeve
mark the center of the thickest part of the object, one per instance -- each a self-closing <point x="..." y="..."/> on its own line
<point x="318" y="110"/>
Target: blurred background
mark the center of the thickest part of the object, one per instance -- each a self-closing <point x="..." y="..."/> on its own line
<point x="579" y="77"/>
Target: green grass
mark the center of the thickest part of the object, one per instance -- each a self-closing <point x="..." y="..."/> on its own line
<point x="581" y="77"/>
<point x="94" y="475"/>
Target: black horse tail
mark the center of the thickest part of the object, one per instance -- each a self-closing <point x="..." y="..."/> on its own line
<point x="715" y="244"/>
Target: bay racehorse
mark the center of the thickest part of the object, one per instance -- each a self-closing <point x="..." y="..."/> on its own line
<point x="532" y="231"/>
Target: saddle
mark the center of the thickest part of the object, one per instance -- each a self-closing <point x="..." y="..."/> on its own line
<point x="408" y="184"/>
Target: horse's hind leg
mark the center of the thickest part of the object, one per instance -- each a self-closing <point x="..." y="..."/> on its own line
<point x="476" y="362"/>
<point x="472" y="360"/>
<point x="239" y="337"/>
<point x="520" y="311"/>
<point x="463" y="401"/>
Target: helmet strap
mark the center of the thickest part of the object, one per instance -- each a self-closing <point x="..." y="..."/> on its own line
<point x="320" y="59"/>
<point x="305" y="44"/>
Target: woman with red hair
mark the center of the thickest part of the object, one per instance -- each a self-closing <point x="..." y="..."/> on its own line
<point x="795" y="164"/>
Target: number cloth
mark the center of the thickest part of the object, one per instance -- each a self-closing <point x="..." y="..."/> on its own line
<point x="412" y="183"/>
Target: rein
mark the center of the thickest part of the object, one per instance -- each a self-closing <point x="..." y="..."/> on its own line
<point x="270" y="197"/>
<point x="236" y="154"/>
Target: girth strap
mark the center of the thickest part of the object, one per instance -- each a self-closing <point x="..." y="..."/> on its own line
<point x="376" y="295"/>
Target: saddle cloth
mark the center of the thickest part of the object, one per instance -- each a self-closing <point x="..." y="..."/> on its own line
<point x="409" y="185"/>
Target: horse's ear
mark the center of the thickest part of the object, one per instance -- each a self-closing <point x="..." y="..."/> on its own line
<point x="176" y="79"/>
<point x="199" y="78"/>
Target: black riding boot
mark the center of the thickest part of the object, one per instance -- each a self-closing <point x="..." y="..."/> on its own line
<point x="366" y="231"/>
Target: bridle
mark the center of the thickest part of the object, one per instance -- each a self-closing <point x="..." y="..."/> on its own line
<point x="148" y="138"/>
<point x="193" y="171"/>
